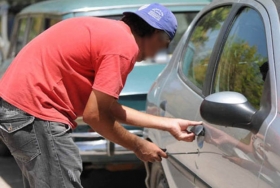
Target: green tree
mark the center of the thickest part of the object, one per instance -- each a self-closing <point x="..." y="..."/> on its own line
<point x="239" y="70"/>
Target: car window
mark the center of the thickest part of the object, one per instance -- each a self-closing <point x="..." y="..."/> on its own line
<point x="243" y="64"/>
<point x="35" y="27"/>
<point x="198" y="51"/>
<point x="20" y="40"/>
<point x="184" y="20"/>
<point x="115" y="17"/>
<point x="50" y="22"/>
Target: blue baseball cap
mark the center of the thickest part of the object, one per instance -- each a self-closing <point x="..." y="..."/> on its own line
<point x="158" y="17"/>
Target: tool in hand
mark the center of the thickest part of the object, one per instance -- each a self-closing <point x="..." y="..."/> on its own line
<point x="199" y="131"/>
<point x="195" y="152"/>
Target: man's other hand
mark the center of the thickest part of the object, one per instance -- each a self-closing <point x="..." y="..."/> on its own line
<point x="148" y="151"/>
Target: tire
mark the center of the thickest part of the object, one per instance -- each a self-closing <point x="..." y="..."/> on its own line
<point x="158" y="179"/>
<point x="4" y="151"/>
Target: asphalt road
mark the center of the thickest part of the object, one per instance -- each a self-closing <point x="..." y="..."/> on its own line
<point x="10" y="177"/>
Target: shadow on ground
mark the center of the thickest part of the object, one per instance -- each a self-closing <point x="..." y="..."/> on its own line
<point x="107" y="179"/>
<point x="10" y="177"/>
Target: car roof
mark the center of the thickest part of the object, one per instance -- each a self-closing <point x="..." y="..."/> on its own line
<point x="61" y="7"/>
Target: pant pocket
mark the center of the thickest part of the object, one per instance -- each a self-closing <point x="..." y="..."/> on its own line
<point x="20" y="137"/>
<point x="59" y="129"/>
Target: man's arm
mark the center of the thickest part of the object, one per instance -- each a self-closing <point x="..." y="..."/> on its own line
<point x="98" y="115"/>
<point x="177" y="127"/>
<point x="103" y="111"/>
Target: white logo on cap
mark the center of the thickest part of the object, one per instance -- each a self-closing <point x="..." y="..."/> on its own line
<point x="144" y="6"/>
<point x="156" y="14"/>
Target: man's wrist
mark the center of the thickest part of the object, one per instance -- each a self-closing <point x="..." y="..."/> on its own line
<point x="165" y="123"/>
<point x="136" y="144"/>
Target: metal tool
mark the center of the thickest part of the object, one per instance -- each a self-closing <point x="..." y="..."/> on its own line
<point x="199" y="131"/>
<point x="196" y="152"/>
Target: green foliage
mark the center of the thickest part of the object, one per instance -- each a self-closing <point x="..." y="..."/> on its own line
<point x="202" y="42"/>
<point x="213" y="21"/>
<point x="239" y="70"/>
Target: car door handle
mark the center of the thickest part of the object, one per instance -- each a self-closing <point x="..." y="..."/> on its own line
<point x="198" y="130"/>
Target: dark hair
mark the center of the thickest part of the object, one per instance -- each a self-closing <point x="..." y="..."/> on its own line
<point x="137" y="25"/>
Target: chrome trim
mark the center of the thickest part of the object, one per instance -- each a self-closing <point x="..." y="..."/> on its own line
<point x="97" y="135"/>
<point x="132" y="93"/>
<point x="96" y="153"/>
<point x="101" y="147"/>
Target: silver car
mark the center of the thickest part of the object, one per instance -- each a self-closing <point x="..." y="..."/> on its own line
<point x="224" y="72"/>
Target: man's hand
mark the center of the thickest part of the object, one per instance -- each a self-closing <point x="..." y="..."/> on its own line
<point x="178" y="128"/>
<point x="148" y="151"/>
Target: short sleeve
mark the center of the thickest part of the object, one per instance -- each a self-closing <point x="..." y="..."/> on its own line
<point x="111" y="74"/>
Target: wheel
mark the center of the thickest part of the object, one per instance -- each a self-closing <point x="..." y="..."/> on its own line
<point x="158" y="179"/>
<point x="4" y="151"/>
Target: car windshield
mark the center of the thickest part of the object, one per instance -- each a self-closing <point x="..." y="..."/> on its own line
<point x="184" y="19"/>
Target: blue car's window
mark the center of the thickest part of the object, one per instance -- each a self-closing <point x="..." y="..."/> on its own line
<point x="35" y="28"/>
<point x="197" y="53"/>
<point x="50" y="22"/>
<point x="184" y="19"/>
<point x="244" y="61"/>
<point x="21" y="33"/>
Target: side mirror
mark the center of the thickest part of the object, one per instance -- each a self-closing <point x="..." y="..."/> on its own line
<point x="228" y="109"/>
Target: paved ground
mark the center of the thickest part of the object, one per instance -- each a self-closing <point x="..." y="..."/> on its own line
<point x="10" y="177"/>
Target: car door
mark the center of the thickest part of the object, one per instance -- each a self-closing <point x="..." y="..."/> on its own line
<point x="182" y="92"/>
<point x="233" y="157"/>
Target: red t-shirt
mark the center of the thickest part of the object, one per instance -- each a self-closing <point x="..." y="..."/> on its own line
<point x="52" y="76"/>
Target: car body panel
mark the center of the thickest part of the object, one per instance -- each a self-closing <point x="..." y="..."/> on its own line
<point x="270" y="148"/>
<point x="139" y="83"/>
<point x="213" y="165"/>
